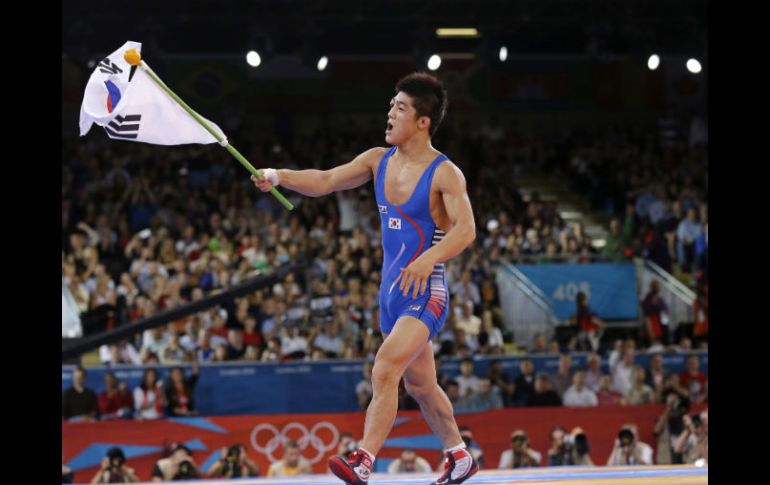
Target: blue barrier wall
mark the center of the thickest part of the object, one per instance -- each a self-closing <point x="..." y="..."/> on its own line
<point x="318" y="387"/>
<point x="611" y="287"/>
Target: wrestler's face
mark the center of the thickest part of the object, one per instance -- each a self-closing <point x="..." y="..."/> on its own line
<point x="403" y="122"/>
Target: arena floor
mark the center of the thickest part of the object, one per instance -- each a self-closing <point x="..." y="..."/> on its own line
<point x="634" y="475"/>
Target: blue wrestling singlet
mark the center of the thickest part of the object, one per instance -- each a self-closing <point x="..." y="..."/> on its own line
<point x="408" y="231"/>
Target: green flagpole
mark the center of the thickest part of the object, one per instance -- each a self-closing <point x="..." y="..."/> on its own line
<point x="132" y="57"/>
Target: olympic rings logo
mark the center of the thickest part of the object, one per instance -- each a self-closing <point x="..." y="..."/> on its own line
<point x="307" y="438"/>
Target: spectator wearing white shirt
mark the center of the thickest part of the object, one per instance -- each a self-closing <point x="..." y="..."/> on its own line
<point x="622" y="369"/>
<point x="578" y="395"/>
<point x="469" y="383"/>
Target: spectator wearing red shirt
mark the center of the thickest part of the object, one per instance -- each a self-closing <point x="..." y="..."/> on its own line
<point x="695" y="380"/>
<point x="656" y="314"/>
<point x="589" y="324"/>
<point x="251" y="335"/>
<point x="605" y="395"/>
<point x="115" y="402"/>
<point x="180" y="391"/>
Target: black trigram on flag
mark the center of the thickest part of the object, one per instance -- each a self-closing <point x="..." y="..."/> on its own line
<point x="107" y="67"/>
<point x="126" y="127"/>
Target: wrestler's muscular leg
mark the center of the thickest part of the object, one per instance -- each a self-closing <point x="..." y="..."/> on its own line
<point x="407" y="340"/>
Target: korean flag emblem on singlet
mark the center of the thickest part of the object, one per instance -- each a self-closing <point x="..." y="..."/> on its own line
<point x="394" y="223"/>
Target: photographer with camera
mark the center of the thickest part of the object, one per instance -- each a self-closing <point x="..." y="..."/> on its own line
<point x="520" y="455"/>
<point x="114" y="469"/>
<point x="668" y="427"/>
<point x="568" y="449"/>
<point x="233" y="463"/>
<point x="693" y="442"/>
<point x="346" y="445"/>
<point x="178" y="466"/>
<point x="628" y="450"/>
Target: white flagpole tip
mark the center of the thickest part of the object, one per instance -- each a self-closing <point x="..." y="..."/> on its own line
<point x="132" y="57"/>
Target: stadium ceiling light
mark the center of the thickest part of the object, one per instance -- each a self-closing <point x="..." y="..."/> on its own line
<point x="457" y="32"/>
<point x="253" y="59"/>
<point x="653" y="62"/>
<point x="693" y="65"/>
<point x="322" y="63"/>
<point x="503" y="53"/>
<point x="434" y="62"/>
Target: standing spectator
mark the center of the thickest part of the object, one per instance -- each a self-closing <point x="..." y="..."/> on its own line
<point x="656" y="319"/>
<point x="78" y="403"/>
<point x="292" y="463"/>
<point x="468" y="382"/>
<point x="622" y="369"/>
<point x="640" y="393"/>
<point x="700" y="308"/>
<point x="180" y="392"/>
<point x="148" y="396"/>
<point x="114" y="470"/>
<point x="606" y="396"/>
<point x="668" y="427"/>
<point x="115" y="401"/>
<point x="543" y="395"/>
<point x="409" y="462"/>
<point x="590" y="326"/>
<point x="688" y="231"/>
<point x="520" y="455"/>
<point x="695" y="380"/>
<point x="628" y="450"/>
<point x="578" y="395"/>
<point x="562" y="379"/>
<point x="693" y="441"/>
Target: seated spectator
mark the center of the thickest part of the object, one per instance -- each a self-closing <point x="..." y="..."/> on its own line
<point x="562" y="379"/>
<point x="606" y="396"/>
<point x="467" y="321"/>
<point x="578" y="395"/>
<point x="656" y="377"/>
<point x="179" y="465"/>
<point x="501" y="382"/>
<point x="251" y="336"/>
<point x="468" y="382"/>
<point x="640" y="393"/>
<point x="524" y="385"/>
<point x="115" y="401"/>
<point x="180" y="392"/>
<point x="292" y="463"/>
<point x="520" y="455"/>
<point x="594" y="372"/>
<point x="539" y="345"/>
<point x="453" y="393"/>
<point x="694" y="380"/>
<point x="543" y="395"/>
<point x="148" y="396"/>
<point x="233" y="463"/>
<point x="114" y="469"/>
<point x="628" y="450"/>
<point x="174" y="353"/>
<point x="330" y="340"/>
<point x="78" y="403"/>
<point x="409" y="462"/>
<point x="486" y="397"/>
<point x="235" y="346"/>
